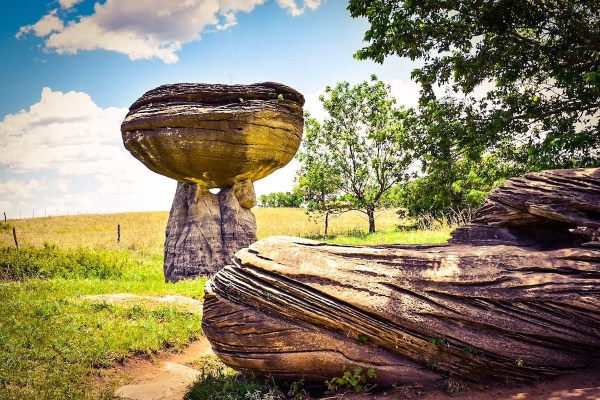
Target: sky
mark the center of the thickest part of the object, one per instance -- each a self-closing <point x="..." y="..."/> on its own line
<point x="71" y="68"/>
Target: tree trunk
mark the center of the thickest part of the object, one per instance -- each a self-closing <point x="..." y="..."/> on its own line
<point x="371" y="215"/>
<point x="506" y="301"/>
<point x="326" y="222"/>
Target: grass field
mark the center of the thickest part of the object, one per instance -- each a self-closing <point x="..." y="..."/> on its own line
<point x="54" y="342"/>
<point x="145" y="232"/>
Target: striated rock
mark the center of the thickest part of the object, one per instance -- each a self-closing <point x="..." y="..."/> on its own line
<point x="205" y="230"/>
<point x="212" y="136"/>
<point x="193" y="244"/>
<point x="215" y="135"/>
<point x="299" y="309"/>
<point x="238" y="224"/>
<point x="537" y="210"/>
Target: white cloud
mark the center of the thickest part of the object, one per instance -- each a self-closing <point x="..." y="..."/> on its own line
<point x="66" y="4"/>
<point x="63" y="132"/>
<point x="145" y="29"/>
<point x="296" y="10"/>
<point x="48" y="24"/>
<point x="313" y="105"/>
<point x="281" y="180"/>
<point x="405" y="92"/>
<point x="67" y="134"/>
<point x="15" y="189"/>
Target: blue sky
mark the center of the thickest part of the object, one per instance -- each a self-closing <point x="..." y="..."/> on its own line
<point x="71" y="68"/>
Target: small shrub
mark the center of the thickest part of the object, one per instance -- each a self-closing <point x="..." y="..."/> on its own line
<point x="223" y="384"/>
<point x="296" y="390"/>
<point x="355" y="380"/>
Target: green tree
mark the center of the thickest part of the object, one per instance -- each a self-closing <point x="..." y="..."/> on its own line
<point x="318" y="179"/>
<point x="281" y="199"/>
<point x="541" y="57"/>
<point x="360" y="146"/>
<point x="456" y="168"/>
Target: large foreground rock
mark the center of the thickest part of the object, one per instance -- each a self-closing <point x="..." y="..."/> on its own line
<point x="299" y="309"/>
<point x="212" y="136"/>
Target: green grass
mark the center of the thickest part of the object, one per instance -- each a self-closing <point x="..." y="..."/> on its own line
<point x="51" y="341"/>
<point x="51" y="261"/>
<point x="54" y="343"/>
<point x="440" y="235"/>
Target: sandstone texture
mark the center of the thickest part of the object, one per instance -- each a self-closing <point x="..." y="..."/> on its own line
<point x="215" y="135"/>
<point x="514" y="305"/>
<point x="210" y="136"/>
<point x="205" y="230"/>
<point x="537" y="210"/>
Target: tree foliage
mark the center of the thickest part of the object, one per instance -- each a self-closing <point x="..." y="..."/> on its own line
<point x="357" y="154"/>
<point x="540" y="57"/>
<point x="281" y="199"/>
<point x="319" y="177"/>
<point x="456" y="170"/>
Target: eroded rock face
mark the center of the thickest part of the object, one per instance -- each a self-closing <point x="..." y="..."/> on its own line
<point x="205" y="230"/>
<point x="212" y="136"/>
<point x="537" y="210"/>
<point x="299" y="309"/>
<point x="215" y="135"/>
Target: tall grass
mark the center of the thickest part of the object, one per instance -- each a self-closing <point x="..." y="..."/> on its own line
<point x="51" y="261"/>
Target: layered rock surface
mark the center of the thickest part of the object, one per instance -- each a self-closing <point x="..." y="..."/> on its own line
<point x="212" y="136"/>
<point x="299" y="309"/>
<point x="215" y="135"/>
<point x="537" y="210"/>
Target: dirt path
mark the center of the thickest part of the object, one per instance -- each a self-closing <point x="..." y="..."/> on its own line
<point x="167" y="375"/>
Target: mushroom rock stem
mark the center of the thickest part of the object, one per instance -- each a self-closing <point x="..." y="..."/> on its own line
<point x="238" y="224"/>
<point x="193" y="244"/>
<point x="205" y="230"/>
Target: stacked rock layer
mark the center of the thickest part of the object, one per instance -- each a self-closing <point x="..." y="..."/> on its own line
<point x="212" y="136"/>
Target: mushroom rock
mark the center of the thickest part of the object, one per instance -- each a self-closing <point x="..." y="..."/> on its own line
<point x="209" y="136"/>
<point x="484" y="311"/>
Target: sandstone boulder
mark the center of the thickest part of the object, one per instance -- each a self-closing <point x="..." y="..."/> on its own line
<point x="212" y="136"/>
<point x="483" y="311"/>
<point x="215" y="135"/>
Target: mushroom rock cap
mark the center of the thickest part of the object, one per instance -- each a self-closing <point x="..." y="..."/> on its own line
<point x="215" y="135"/>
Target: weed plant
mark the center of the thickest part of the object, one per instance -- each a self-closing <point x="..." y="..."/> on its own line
<point x="226" y="384"/>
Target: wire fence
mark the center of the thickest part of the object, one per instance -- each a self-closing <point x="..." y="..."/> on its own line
<point x="145" y="231"/>
<point x="130" y="231"/>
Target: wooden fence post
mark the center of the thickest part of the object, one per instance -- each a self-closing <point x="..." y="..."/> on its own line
<point x="118" y="233"/>
<point x="15" y="237"/>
